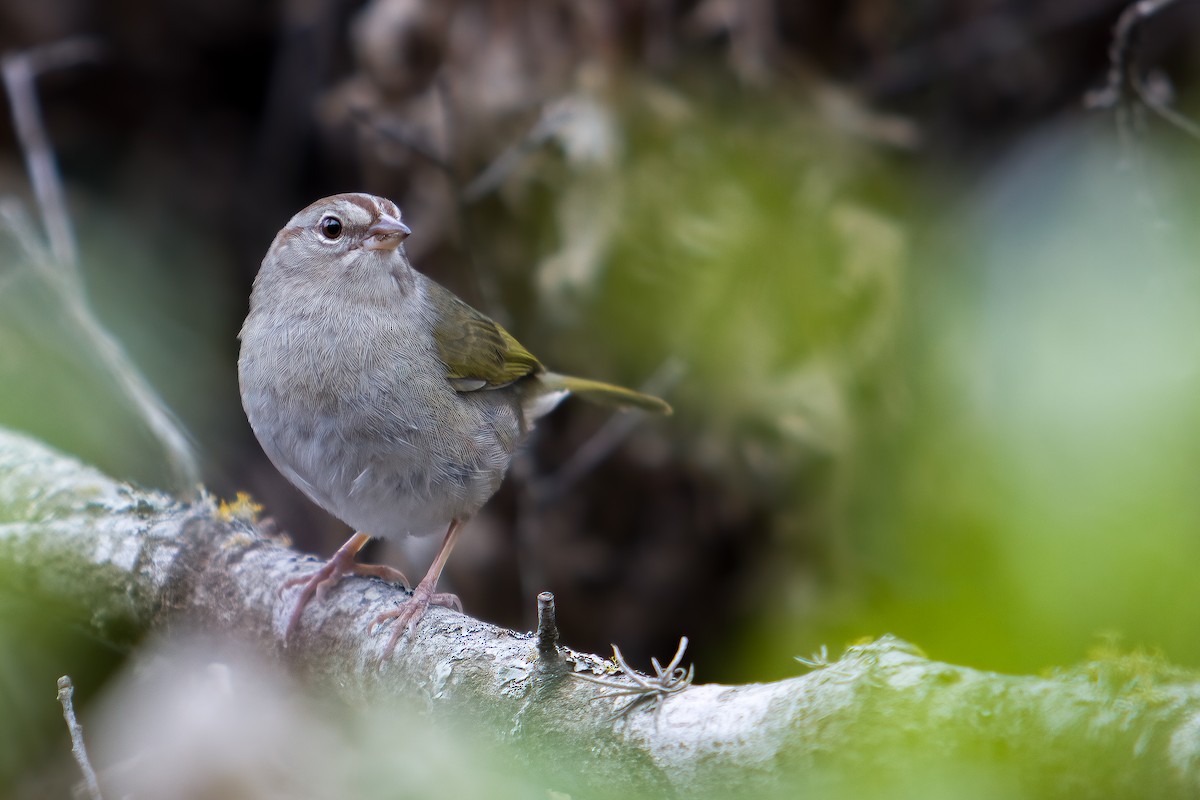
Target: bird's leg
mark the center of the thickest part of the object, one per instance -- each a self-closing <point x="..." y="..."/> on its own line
<point x="410" y="612"/>
<point x="340" y="565"/>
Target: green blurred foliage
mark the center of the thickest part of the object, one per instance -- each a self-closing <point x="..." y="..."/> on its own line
<point x="1043" y="490"/>
<point x="744" y="246"/>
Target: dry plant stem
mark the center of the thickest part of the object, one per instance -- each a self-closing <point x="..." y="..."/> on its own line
<point x="1122" y="52"/>
<point x="396" y="131"/>
<point x="66" y="693"/>
<point x="1124" y="67"/>
<point x="157" y="417"/>
<point x="60" y="265"/>
<point x="119" y="562"/>
<point x="645" y="689"/>
<point x="20" y="227"/>
<point x="20" y="73"/>
<point x="1158" y="106"/>
<point x="503" y="165"/>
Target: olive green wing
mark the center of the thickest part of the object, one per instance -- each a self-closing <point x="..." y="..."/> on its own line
<point x="477" y="351"/>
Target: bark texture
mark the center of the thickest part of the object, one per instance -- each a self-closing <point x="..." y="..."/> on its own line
<point x="122" y="561"/>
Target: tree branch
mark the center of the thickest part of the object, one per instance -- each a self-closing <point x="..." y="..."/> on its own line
<point x="122" y="561"/>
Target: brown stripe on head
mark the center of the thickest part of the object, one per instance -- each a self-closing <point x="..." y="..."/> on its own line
<point x="369" y="203"/>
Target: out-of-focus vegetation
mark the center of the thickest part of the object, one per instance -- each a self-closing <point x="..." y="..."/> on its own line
<point x="935" y="326"/>
<point x="1042" y="494"/>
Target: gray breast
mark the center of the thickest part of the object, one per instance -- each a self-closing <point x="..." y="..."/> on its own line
<point x="379" y="439"/>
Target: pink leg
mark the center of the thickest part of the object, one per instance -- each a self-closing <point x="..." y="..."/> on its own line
<point x="410" y="612"/>
<point x="341" y="565"/>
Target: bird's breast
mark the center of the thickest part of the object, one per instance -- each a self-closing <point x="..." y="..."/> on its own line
<point x="360" y="416"/>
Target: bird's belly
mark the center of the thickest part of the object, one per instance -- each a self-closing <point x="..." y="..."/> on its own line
<point x="391" y="476"/>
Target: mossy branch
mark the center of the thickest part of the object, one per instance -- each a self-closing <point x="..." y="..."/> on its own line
<point x="121" y="561"/>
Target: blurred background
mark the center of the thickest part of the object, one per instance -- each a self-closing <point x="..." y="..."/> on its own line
<point x="929" y="323"/>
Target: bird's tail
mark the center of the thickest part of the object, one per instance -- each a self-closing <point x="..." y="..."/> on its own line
<point x="605" y="393"/>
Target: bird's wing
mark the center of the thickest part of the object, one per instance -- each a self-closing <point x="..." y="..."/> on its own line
<point x="477" y="351"/>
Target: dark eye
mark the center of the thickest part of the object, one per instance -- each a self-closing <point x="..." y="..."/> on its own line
<point x="331" y="228"/>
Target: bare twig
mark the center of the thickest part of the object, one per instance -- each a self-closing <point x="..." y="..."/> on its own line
<point x="14" y="218"/>
<point x="155" y="414"/>
<point x="1124" y="69"/>
<point x="503" y="165"/>
<point x="556" y="116"/>
<point x="66" y="693"/>
<point x="547" y="629"/>
<point x="1122" y="53"/>
<point x="59" y="263"/>
<point x="20" y="226"/>
<point x="398" y="132"/>
<point x="20" y="72"/>
<point x="1157" y="101"/>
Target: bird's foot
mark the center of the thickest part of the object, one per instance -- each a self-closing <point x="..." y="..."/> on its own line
<point x="410" y="612"/>
<point x="339" y="566"/>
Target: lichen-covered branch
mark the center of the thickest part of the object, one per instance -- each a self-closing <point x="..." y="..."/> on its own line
<point x="124" y="561"/>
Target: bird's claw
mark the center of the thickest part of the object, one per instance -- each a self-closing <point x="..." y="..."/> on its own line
<point x="409" y="614"/>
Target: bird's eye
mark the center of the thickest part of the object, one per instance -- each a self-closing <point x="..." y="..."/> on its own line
<point x="331" y="228"/>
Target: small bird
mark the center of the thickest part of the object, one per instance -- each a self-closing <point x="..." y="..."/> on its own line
<point x="386" y="399"/>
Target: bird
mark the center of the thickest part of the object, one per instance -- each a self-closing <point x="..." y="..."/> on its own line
<point x="386" y="399"/>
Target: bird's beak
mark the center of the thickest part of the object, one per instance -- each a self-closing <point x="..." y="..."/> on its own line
<point x="386" y="234"/>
